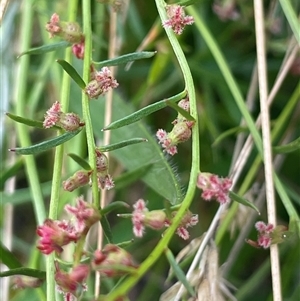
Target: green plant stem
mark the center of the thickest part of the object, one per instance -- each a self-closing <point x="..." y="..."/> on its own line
<point x="23" y="133"/>
<point x="58" y="162"/>
<point x="86" y="6"/>
<point x="159" y="249"/>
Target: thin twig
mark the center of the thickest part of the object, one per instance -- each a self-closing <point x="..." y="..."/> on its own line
<point x="263" y="92"/>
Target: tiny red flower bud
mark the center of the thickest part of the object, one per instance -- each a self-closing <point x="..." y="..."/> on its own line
<point x="112" y="261"/>
<point x="69" y="122"/>
<point x="79" y="179"/>
<point x="180" y="133"/>
<point x="78" y="50"/>
<point x="101" y="162"/>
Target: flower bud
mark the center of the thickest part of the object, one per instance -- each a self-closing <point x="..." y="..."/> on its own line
<point x="101" y="162"/>
<point x="69" y="122"/>
<point x="79" y="179"/>
<point x="155" y="219"/>
<point x="112" y="261"/>
<point x="180" y="133"/>
<point x="93" y="89"/>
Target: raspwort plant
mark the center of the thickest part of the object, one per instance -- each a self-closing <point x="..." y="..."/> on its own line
<point x="83" y="150"/>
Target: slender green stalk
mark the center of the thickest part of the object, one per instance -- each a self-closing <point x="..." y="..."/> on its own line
<point x="58" y="162"/>
<point x="156" y="253"/>
<point x="86" y="6"/>
<point x="23" y="133"/>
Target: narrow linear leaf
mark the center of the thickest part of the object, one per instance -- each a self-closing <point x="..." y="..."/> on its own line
<point x="232" y="131"/>
<point x="80" y="161"/>
<point x="10" y="172"/>
<point x="138" y="115"/>
<point x="113" y="206"/>
<point x="46" y="48"/>
<point x="187" y="2"/>
<point x="126" y="58"/>
<point x="45" y="145"/>
<point x="26" y="121"/>
<point x="8" y="258"/>
<point x="24" y="271"/>
<point x="106" y="229"/>
<point x="242" y="201"/>
<point x="178" y="272"/>
<point x="110" y="147"/>
<point x="73" y="73"/>
<point x="288" y="148"/>
<point x="130" y="177"/>
<point x="180" y="110"/>
<point x="124" y="244"/>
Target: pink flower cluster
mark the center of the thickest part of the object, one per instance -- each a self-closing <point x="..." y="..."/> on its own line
<point x="67" y="121"/>
<point x="55" y="233"/>
<point x="101" y="82"/>
<point x="157" y="219"/>
<point x="214" y="187"/>
<point x="177" y="19"/>
<point x="264" y="234"/>
<point x="180" y="133"/>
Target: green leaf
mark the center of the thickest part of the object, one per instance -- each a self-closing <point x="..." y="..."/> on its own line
<point x="232" y="131"/>
<point x="242" y="201"/>
<point x="80" y="161"/>
<point x="288" y="148"/>
<point x="10" y="172"/>
<point x="161" y="176"/>
<point x="110" y="147"/>
<point x="180" y="110"/>
<point x="73" y="73"/>
<point x="45" y="145"/>
<point x="25" y="271"/>
<point x="179" y="273"/>
<point x="106" y="229"/>
<point x="138" y="115"/>
<point x="8" y="258"/>
<point x="123" y="59"/>
<point x="26" y="121"/>
<point x="130" y="177"/>
<point x="113" y="206"/>
<point x="46" y="48"/>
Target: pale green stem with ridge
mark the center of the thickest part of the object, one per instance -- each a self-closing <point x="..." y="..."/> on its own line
<point x="58" y="162"/>
<point x="159" y="249"/>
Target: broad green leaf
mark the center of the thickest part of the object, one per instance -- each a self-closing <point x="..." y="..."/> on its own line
<point x="288" y="148"/>
<point x="84" y="164"/>
<point x="138" y="115"/>
<point x="130" y="177"/>
<point x="242" y="201"/>
<point x="126" y="58"/>
<point x="46" y="48"/>
<point x="178" y="272"/>
<point x="118" y="145"/>
<point x="8" y="258"/>
<point x="73" y="73"/>
<point x="45" y="145"/>
<point x="24" y="271"/>
<point x="160" y="176"/>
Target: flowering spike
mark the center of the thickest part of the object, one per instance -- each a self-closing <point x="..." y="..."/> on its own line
<point x="177" y="19"/>
<point x="101" y="82"/>
<point x="214" y="187"/>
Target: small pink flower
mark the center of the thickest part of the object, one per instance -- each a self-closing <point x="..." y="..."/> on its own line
<point x="189" y="220"/>
<point x="142" y="217"/>
<point x="54" y="235"/>
<point x="53" y="26"/>
<point x="101" y="82"/>
<point x="105" y="181"/>
<point x="177" y="19"/>
<point x="264" y="234"/>
<point x="72" y="284"/>
<point x="67" y="121"/>
<point x="214" y="187"/>
<point x="85" y="213"/>
<point x="101" y="161"/>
